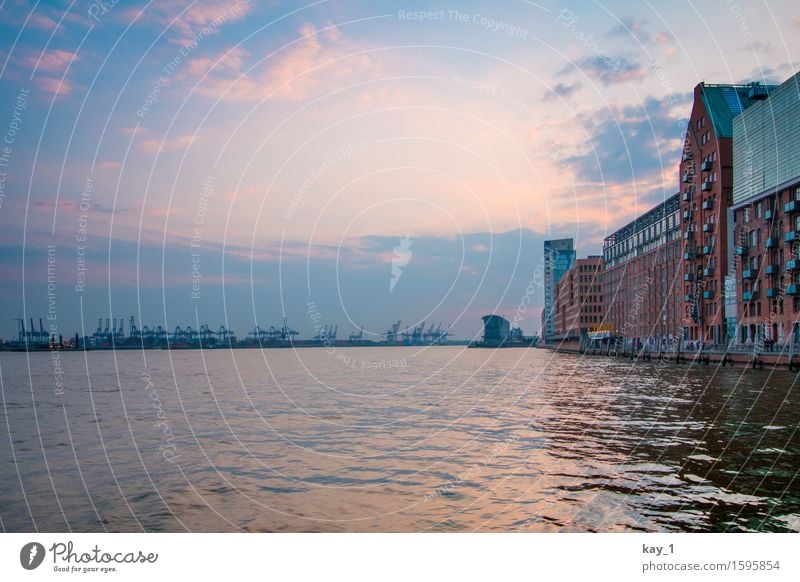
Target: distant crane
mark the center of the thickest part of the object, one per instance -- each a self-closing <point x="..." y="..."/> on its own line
<point x="392" y="333"/>
<point x="224" y="334"/>
<point x="21" y="330"/>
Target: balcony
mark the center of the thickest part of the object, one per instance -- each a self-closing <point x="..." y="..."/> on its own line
<point x="706" y="186"/>
<point x="790" y="236"/>
<point x="708" y="204"/>
<point x="707" y="250"/>
<point x="687" y="214"/>
<point x="741" y="250"/>
<point x="708" y="272"/>
<point x="771" y="293"/>
<point x="708" y="227"/>
<point x="687" y="196"/>
<point x="690" y="256"/>
<point x="687" y="177"/>
<point x="688" y="235"/>
<point x="771" y="243"/>
<point x="771" y="270"/>
<point x="750" y="295"/>
<point x="791" y="289"/>
<point x="792" y="265"/>
<point x="686" y="156"/>
<point x="688" y="277"/>
<point x="687" y="298"/>
<point x="705" y="166"/>
<point x="790" y="207"/>
<point x="768" y="214"/>
<point x="749" y="274"/>
<point x="708" y="295"/>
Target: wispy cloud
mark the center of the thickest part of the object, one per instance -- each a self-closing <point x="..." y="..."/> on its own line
<point x="190" y="17"/>
<point x="561" y="90"/>
<point x="41" y="20"/>
<point x="607" y="69"/>
<point x="50" y="60"/>
<point x="154" y="146"/>
<point x="638" y="29"/>
<point x="314" y="62"/>
<point x="55" y="87"/>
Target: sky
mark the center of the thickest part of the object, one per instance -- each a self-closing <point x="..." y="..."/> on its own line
<point x="240" y="162"/>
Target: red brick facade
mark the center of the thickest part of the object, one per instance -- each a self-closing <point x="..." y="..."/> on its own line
<point x="579" y="306"/>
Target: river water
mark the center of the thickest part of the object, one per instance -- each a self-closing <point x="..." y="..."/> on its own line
<point x="393" y="439"/>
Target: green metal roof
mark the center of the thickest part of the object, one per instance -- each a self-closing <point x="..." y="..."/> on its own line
<point x="724" y="102"/>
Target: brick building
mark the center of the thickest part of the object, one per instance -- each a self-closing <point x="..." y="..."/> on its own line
<point x="766" y="219"/>
<point x="643" y="283"/>
<point x="578" y="307"/>
<point x="706" y="180"/>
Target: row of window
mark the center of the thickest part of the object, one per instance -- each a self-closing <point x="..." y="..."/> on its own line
<point x="701" y="123"/>
<point x="748" y="213"/>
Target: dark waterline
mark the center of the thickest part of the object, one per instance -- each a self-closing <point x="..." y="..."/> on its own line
<point x="394" y="439"/>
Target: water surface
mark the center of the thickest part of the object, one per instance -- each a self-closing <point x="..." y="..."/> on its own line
<point x="393" y="439"/>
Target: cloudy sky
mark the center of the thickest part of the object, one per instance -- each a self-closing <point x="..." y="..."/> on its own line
<point x="274" y="154"/>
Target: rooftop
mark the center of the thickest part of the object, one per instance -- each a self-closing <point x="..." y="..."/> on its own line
<point x="724" y="102"/>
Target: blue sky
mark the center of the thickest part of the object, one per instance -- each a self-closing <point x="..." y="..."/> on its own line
<point x="290" y="146"/>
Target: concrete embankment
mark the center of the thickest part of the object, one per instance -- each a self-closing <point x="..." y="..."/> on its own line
<point x="735" y="359"/>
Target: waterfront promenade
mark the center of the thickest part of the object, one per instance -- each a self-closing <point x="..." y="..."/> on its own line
<point x="775" y="357"/>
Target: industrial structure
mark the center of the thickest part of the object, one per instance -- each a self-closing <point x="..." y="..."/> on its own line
<point x="112" y="334"/>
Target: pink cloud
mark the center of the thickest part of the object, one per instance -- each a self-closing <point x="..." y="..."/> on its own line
<point x="39" y="20"/>
<point x="154" y="146"/>
<point x="159" y="212"/>
<point x="53" y="60"/>
<point x="56" y="87"/>
<point x="307" y="65"/>
<point x="50" y="205"/>
<point x="663" y="37"/>
<point x="131" y="130"/>
<point x="193" y="19"/>
<point x="230" y="61"/>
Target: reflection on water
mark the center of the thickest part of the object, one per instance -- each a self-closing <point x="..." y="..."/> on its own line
<point x="394" y="439"/>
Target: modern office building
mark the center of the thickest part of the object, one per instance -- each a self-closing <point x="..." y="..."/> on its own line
<point x="559" y="256"/>
<point x="496" y="328"/>
<point x="706" y="180"/>
<point x="766" y="218"/>
<point x="578" y="308"/>
<point x="643" y="282"/>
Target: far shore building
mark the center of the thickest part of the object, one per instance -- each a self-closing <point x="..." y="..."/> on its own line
<point x="496" y="328"/>
<point x="578" y="308"/>
<point x="765" y="218"/>
<point x="706" y="180"/>
<point x="643" y="282"/>
<point x="559" y="256"/>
